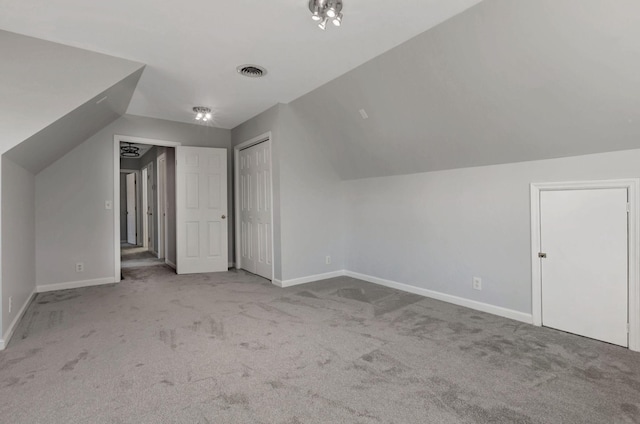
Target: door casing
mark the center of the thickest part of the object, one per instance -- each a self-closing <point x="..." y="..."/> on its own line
<point x="116" y="184"/>
<point x="632" y="186"/>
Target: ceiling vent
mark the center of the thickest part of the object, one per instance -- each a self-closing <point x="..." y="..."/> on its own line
<point x="252" y="71"/>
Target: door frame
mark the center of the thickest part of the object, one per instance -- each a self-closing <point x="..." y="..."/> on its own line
<point x="264" y="138"/>
<point x="632" y="185"/>
<point x="116" y="190"/>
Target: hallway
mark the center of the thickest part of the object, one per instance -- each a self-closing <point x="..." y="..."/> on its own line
<point x="136" y="256"/>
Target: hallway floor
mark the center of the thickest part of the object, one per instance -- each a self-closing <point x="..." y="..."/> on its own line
<point x="133" y="256"/>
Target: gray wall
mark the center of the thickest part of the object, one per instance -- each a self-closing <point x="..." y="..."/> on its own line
<point x="18" y="240"/>
<point x="72" y="222"/>
<point x="437" y="230"/>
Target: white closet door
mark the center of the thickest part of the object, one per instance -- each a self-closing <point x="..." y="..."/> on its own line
<point x="201" y="210"/>
<point x="584" y="274"/>
<point x="255" y="210"/>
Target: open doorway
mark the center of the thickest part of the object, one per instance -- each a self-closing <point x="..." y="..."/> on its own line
<point x="147" y="203"/>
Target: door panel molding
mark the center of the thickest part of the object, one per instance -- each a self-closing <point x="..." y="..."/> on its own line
<point x="632" y="186"/>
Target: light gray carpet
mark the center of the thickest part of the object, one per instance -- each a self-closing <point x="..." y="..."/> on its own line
<point x="132" y="256"/>
<point x="232" y="348"/>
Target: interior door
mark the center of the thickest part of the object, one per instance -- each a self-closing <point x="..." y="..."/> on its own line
<point x="584" y="275"/>
<point x="131" y="208"/>
<point x="255" y="209"/>
<point x="247" y="195"/>
<point x="162" y="207"/>
<point x="145" y="208"/>
<point x="201" y="210"/>
<point x="151" y="201"/>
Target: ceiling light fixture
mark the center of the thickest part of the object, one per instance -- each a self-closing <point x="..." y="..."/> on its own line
<point x="128" y="150"/>
<point x="202" y="113"/>
<point x="324" y="10"/>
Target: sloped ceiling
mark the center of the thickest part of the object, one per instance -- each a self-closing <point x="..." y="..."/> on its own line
<point x="505" y="81"/>
<point x="192" y="48"/>
<point x="53" y="97"/>
<point x="50" y="144"/>
<point x="43" y="81"/>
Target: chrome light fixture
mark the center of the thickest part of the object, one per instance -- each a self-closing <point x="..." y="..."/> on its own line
<point x="324" y="10"/>
<point x="128" y="150"/>
<point x="202" y="113"/>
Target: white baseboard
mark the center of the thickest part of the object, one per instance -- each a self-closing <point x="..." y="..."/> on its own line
<point x="4" y="342"/>
<point x="74" y="284"/>
<point x="171" y="264"/>
<point x="460" y="301"/>
<point x="309" y="279"/>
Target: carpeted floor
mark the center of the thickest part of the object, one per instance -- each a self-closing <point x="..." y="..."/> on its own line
<point x="232" y="348"/>
<point x="132" y="256"/>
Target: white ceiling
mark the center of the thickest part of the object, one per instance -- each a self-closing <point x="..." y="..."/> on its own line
<point x="192" y="48"/>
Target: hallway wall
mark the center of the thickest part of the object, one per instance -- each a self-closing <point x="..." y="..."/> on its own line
<point x="18" y="274"/>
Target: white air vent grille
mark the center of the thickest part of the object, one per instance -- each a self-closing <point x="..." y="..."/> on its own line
<point x="252" y="71"/>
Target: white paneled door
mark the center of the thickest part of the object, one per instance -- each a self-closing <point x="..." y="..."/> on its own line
<point x="255" y="209"/>
<point x="131" y="208"/>
<point x="584" y="237"/>
<point x="201" y="210"/>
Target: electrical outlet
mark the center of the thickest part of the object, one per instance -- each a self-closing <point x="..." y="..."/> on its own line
<point x="477" y="283"/>
<point x="80" y="267"/>
<point x="327" y="260"/>
<point x="10" y="303"/>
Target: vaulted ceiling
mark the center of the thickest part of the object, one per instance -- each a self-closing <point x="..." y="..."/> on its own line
<point x="505" y="81"/>
<point x="192" y="49"/>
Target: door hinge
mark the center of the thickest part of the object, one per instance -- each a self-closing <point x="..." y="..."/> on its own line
<point x="542" y="255"/>
<point x="628" y="207"/>
<point x="628" y="328"/>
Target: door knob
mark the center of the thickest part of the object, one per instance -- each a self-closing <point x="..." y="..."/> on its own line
<point x="224" y="216"/>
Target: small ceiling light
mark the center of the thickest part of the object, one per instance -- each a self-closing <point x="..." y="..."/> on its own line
<point x="202" y="113"/>
<point x="337" y="21"/>
<point x="128" y="150"/>
<point x="324" y="10"/>
<point x="315" y="13"/>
